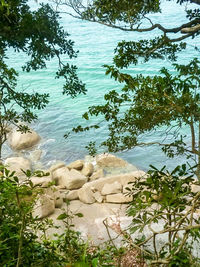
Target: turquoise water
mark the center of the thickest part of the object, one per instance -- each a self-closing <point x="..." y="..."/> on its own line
<point x="95" y="44"/>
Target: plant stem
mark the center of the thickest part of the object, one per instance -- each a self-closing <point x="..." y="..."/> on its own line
<point x="198" y="166"/>
<point x="19" y="256"/>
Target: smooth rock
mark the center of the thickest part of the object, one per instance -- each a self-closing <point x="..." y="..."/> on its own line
<point x="55" y="195"/>
<point x="113" y="188"/>
<point x="60" y="175"/>
<point x="71" y="195"/>
<point x="109" y="160"/>
<point x="118" y="198"/>
<point x="97" y="174"/>
<point x="195" y="188"/>
<point x="19" y="141"/>
<point x="70" y="179"/>
<point x="56" y="166"/>
<point x="58" y="199"/>
<point x="41" y="181"/>
<point x="86" y="196"/>
<point x="123" y="179"/>
<point x="91" y="225"/>
<point x="77" y="165"/>
<point x="88" y="169"/>
<point x="18" y="164"/>
<point x="98" y="197"/>
<point x="44" y="206"/>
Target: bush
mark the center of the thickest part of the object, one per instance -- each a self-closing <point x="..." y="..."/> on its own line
<point x="164" y="207"/>
<point x="23" y="239"/>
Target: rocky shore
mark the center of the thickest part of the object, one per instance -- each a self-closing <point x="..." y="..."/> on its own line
<point x="95" y="186"/>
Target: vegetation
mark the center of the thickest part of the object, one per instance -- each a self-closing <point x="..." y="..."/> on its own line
<point x="24" y="240"/>
<point x="163" y="216"/>
<point x="145" y="104"/>
<point x="38" y="35"/>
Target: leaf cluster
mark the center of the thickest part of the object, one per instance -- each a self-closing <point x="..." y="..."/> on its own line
<point x="24" y="240"/>
<point x="164" y="205"/>
<point x="147" y="103"/>
<point x="37" y="34"/>
<point x="116" y="11"/>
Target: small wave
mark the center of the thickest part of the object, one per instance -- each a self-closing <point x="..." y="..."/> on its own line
<point x="45" y="142"/>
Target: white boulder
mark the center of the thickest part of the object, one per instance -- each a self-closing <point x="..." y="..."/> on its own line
<point x="88" y="169"/>
<point x="44" y="206"/>
<point x="70" y="179"/>
<point x="71" y="195"/>
<point x="58" y="199"/>
<point x="85" y="195"/>
<point x="109" y="160"/>
<point x="54" y="193"/>
<point x="97" y="174"/>
<point x="123" y="179"/>
<point x="57" y="166"/>
<point x="118" y="198"/>
<point x="113" y="188"/>
<point x="19" y="141"/>
<point x="18" y="164"/>
<point x="98" y="197"/>
<point x="195" y="188"/>
<point x="41" y="181"/>
<point x="77" y="165"/>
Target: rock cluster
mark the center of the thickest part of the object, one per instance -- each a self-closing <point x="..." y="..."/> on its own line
<point x="96" y="187"/>
<point x="83" y="180"/>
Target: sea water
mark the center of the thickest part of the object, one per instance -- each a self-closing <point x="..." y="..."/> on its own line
<point x="96" y="44"/>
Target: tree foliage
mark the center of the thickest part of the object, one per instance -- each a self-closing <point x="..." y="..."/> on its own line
<point x="164" y="216"/>
<point x="38" y="35"/>
<point x="134" y="16"/>
<point x="147" y="103"/>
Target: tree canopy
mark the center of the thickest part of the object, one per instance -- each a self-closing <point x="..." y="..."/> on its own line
<point x="134" y="16"/>
<point x="147" y="103"/>
<point x="38" y="34"/>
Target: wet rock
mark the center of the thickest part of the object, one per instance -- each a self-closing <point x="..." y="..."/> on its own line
<point x="19" y="141"/>
<point x="109" y="160"/>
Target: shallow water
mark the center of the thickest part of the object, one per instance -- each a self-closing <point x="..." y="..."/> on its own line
<point x="95" y="44"/>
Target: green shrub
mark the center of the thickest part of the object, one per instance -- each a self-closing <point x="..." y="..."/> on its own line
<point x="172" y="215"/>
<point x="23" y="239"/>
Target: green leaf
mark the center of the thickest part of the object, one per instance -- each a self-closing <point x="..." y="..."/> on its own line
<point x="82" y="264"/>
<point x="62" y="216"/>
<point x="95" y="262"/>
<point x="78" y="215"/>
<point x="16" y="179"/>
